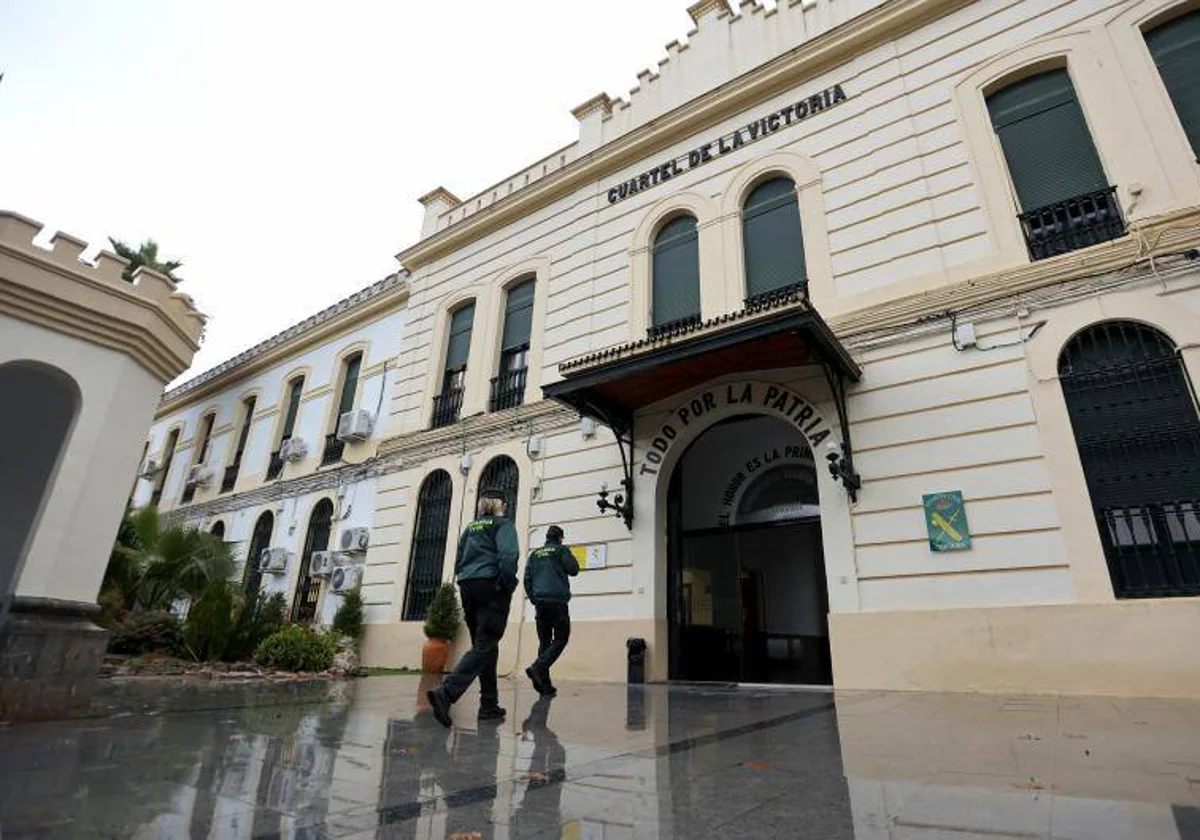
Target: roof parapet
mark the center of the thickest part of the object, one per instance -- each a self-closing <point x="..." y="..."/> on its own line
<point x="437" y="201"/>
<point x="590" y="115"/>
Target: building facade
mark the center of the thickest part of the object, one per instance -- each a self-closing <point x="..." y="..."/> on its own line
<point x="275" y="449"/>
<point x="892" y="308"/>
<point x="85" y="351"/>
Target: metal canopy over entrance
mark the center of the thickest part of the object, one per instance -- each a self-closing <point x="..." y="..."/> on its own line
<point x="610" y="385"/>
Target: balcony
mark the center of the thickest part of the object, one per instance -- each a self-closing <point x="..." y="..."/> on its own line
<point x="332" y="453"/>
<point x="446" y="407"/>
<point x="766" y="300"/>
<point x="275" y="466"/>
<point x="1073" y="224"/>
<point x="680" y="325"/>
<point x="508" y="390"/>
<point x="230" y="477"/>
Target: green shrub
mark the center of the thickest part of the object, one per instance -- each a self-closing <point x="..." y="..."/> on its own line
<point x="260" y="616"/>
<point x="154" y="631"/>
<point x="444" y="616"/>
<point x="297" y="648"/>
<point x="210" y="622"/>
<point x="348" y="620"/>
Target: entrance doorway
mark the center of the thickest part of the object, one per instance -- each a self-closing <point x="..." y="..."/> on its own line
<point x="748" y="599"/>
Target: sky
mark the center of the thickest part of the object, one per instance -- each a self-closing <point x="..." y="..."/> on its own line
<point x="278" y="148"/>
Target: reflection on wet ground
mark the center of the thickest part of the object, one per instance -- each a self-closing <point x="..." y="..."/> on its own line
<point x="600" y="762"/>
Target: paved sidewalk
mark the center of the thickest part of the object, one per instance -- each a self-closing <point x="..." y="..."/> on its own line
<point x="601" y="762"/>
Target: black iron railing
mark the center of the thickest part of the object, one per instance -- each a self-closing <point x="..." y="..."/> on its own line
<point x="332" y="453"/>
<point x="189" y="493"/>
<point x="508" y="390"/>
<point x="274" y="466"/>
<point x="1073" y="224"/>
<point x="672" y="327"/>
<point x="230" y="477"/>
<point x="446" y="407"/>
<point x="777" y="296"/>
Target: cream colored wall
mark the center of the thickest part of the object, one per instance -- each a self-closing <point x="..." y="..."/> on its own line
<point x="69" y="551"/>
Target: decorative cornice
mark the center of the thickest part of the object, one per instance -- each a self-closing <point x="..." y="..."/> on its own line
<point x="475" y="432"/>
<point x="600" y="102"/>
<point x="442" y="195"/>
<point x="392" y="291"/>
<point x="782" y="73"/>
<point x="698" y="11"/>
<point x="148" y="319"/>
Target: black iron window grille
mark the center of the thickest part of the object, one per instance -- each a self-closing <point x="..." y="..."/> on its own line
<point x="673" y="327"/>
<point x="189" y="493"/>
<point x="156" y="497"/>
<point x="501" y="474"/>
<point x="446" y="407"/>
<point x="429" y="545"/>
<point x="1138" y="436"/>
<point x="508" y="389"/>
<point x="229" y="479"/>
<point x="1076" y="223"/>
<point x="275" y="466"/>
<point x="332" y="453"/>
<point x="308" y="588"/>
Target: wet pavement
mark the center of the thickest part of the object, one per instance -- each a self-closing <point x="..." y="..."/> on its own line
<point x="363" y="760"/>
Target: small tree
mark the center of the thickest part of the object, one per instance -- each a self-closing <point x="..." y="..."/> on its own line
<point x="145" y="254"/>
<point x="444" y="616"/>
<point x="348" y="620"/>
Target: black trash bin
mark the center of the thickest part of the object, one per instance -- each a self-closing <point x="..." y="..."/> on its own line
<point x="636" y="651"/>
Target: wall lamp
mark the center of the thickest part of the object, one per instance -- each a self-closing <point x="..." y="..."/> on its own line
<point x="621" y="504"/>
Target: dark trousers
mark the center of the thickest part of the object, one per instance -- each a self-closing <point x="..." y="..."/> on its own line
<point x="485" y="609"/>
<point x="554" y="631"/>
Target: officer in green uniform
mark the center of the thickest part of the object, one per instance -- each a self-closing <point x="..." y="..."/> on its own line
<point x="486" y="570"/>
<point x="547" y="586"/>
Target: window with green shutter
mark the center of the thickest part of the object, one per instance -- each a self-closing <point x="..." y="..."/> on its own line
<point x="289" y="419"/>
<point x="675" y="297"/>
<point x="350" y="383"/>
<point x="508" y="387"/>
<point x="1175" y="47"/>
<point x="458" y="348"/>
<point x="772" y="242"/>
<point x="1065" y="198"/>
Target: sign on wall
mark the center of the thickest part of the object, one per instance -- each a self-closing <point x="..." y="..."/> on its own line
<point x="593" y="556"/>
<point x="946" y="521"/>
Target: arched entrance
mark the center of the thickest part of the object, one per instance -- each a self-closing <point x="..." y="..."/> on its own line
<point x="746" y="575"/>
<point x="43" y="402"/>
<point x="1135" y="424"/>
<point x="308" y="588"/>
<point x="260" y="539"/>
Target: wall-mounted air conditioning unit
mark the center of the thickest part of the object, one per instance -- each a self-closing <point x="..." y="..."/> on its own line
<point x="273" y="560"/>
<point x="293" y="450"/>
<point x="151" y="469"/>
<point x="345" y="578"/>
<point x="355" y="426"/>
<point x="200" y="475"/>
<point x="322" y="563"/>
<point x="355" y="539"/>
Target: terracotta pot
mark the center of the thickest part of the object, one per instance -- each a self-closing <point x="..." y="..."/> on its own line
<point x="434" y="656"/>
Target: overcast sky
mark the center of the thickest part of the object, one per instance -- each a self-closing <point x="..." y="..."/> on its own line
<point x="278" y="148"/>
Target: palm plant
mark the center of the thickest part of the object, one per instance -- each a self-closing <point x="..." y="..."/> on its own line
<point x="145" y="254"/>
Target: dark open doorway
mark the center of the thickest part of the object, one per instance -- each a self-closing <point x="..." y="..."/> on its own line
<point x="748" y="601"/>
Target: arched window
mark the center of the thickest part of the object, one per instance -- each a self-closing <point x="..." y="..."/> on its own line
<point x="1065" y="199"/>
<point x="308" y="588"/>
<point x="1175" y="46"/>
<point x="675" y="280"/>
<point x="772" y="242"/>
<point x="260" y="539"/>
<point x="160" y="481"/>
<point x="429" y="544"/>
<point x="508" y="388"/>
<point x="785" y="493"/>
<point x="295" y="389"/>
<point x="448" y="403"/>
<point x="501" y="472"/>
<point x="229" y="479"/>
<point x="218" y="529"/>
<point x="1135" y="424"/>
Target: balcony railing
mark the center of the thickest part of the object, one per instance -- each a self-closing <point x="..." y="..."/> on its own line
<point x="275" y="466"/>
<point x="679" y="325"/>
<point x="230" y="477"/>
<point x="332" y="453"/>
<point x="1073" y="224"/>
<point x="508" y="390"/>
<point x="777" y="296"/>
<point x="446" y="407"/>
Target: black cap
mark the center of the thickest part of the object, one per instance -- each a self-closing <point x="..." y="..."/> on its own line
<point x="554" y="533"/>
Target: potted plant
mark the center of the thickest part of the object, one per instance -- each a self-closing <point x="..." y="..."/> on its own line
<point x="441" y="626"/>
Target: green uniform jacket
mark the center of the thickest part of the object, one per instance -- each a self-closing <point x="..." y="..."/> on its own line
<point x="489" y="549"/>
<point x="546" y="573"/>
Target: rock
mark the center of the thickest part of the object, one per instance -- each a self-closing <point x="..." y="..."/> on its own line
<point x="345" y="661"/>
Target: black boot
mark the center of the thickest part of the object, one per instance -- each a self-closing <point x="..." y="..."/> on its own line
<point x="440" y="704"/>
<point x="492" y="713"/>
